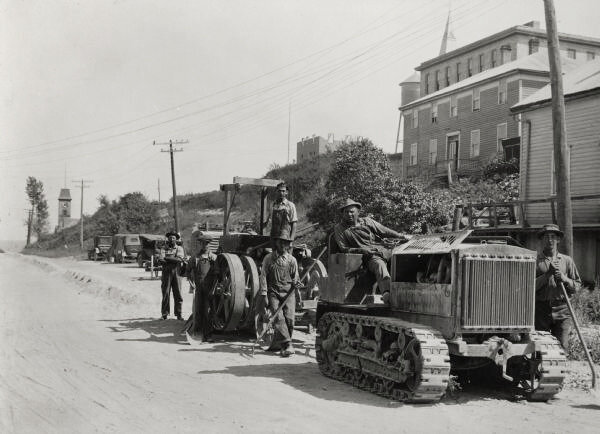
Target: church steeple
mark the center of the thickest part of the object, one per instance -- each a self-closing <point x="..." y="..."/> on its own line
<point x="448" y="40"/>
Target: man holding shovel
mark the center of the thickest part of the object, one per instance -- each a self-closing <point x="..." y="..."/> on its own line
<point x="278" y="276"/>
<point x="551" y="310"/>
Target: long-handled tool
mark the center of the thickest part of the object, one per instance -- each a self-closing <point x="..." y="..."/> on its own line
<point x="583" y="344"/>
<point x="282" y="303"/>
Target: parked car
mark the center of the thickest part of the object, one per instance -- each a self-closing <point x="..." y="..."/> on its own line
<point x="102" y="244"/>
<point x="125" y="247"/>
<point x="151" y="245"/>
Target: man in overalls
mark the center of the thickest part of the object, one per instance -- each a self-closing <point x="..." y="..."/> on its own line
<point x="171" y="257"/>
<point x="198" y="271"/>
<point x="283" y="215"/>
<point x="279" y="274"/>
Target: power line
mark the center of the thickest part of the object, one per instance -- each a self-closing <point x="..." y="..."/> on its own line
<point x="170" y="143"/>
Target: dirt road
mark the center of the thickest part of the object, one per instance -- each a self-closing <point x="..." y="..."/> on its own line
<point x="82" y="351"/>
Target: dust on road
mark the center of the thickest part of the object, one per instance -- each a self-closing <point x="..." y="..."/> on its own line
<point x="78" y="358"/>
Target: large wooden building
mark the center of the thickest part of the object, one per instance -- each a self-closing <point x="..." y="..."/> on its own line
<point x="461" y="119"/>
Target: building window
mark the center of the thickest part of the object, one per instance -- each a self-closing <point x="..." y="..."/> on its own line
<point x="505" y="55"/>
<point x="453" y="106"/>
<point x="572" y="53"/>
<point x="481" y="67"/>
<point x="475" y="143"/>
<point x="457" y="71"/>
<point x="502" y="92"/>
<point x="437" y="80"/>
<point x="413" y="154"/>
<point x="432" y="151"/>
<point x="415" y="118"/>
<point x="434" y="114"/>
<point x="476" y="99"/>
<point x="493" y="59"/>
<point x="591" y="55"/>
<point x="501" y="134"/>
<point x="447" y="75"/>
<point x="469" y="67"/>
<point x="426" y="83"/>
<point x="534" y="45"/>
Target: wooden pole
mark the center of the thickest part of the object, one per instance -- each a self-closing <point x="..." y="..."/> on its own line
<point x="559" y="133"/>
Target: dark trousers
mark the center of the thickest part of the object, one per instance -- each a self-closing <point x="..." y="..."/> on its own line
<point x="201" y="327"/>
<point x="284" y="322"/>
<point x="554" y="317"/>
<point x="170" y="281"/>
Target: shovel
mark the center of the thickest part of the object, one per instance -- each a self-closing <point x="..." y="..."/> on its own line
<point x="272" y="318"/>
<point x="594" y="390"/>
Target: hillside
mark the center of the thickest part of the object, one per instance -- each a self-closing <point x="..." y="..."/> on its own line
<point x="194" y="209"/>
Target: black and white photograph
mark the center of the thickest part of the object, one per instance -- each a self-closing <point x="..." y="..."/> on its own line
<point x="299" y="216"/>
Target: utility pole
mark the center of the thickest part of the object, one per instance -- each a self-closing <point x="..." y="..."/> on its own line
<point x="29" y="223"/>
<point x="289" y="129"/>
<point x="559" y="132"/>
<point x="170" y="151"/>
<point x="159" y="191"/>
<point x="83" y="185"/>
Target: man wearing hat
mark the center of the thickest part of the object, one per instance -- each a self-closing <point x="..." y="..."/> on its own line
<point x="552" y="268"/>
<point x="279" y="274"/>
<point x="283" y="214"/>
<point x="365" y="236"/>
<point x="197" y="272"/>
<point x="171" y="257"/>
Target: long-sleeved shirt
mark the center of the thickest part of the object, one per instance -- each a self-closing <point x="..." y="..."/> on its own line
<point x="545" y="285"/>
<point x="367" y="233"/>
<point x="278" y="272"/>
<point x="167" y="254"/>
<point x="199" y="266"/>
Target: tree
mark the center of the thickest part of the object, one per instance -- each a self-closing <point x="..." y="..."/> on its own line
<point x="35" y="193"/>
<point x="361" y="171"/>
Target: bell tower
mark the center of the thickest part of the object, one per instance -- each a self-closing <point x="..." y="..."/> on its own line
<point x="64" y="208"/>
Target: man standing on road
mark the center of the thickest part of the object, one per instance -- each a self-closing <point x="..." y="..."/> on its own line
<point x="551" y="310"/>
<point x="365" y="236"/>
<point x="171" y="258"/>
<point x="279" y="275"/>
<point x="198" y="270"/>
<point x="283" y="215"/>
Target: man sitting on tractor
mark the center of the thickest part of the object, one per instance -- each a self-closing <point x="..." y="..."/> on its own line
<point x="367" y="237"/>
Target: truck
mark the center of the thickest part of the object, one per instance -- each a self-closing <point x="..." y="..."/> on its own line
<point x="101" y="246"/>
<point x="456" y="303"/>
<point x="124" y="247"/>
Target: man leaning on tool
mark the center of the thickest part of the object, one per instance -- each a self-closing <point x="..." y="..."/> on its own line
<point x="171" y="257"/>
<point x="365" y="236"/>
<point x="551" y="310"/>
<point x="278" y="276"/>
<point x="198" y="270"/>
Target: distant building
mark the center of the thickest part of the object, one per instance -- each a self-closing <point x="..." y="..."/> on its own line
<point x="311" y="147"/>
<point x="64" y="210"/>
<point x="461" y="119"/>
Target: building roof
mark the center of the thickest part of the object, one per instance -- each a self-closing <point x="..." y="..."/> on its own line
<point x="65" y="194"/>
<point x="535" y="63"/>
<point x="526" y="29"/>
<point x="413" y="78"/>
<point x="581" y="80"/>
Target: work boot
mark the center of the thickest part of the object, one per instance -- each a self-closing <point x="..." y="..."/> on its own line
<point x="164" y="317"/>
<point x="179" y="318"/>
<point x="287" y="351"/>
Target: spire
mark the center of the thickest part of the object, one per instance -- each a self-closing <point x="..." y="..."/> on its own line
<point x="448" y="40"/>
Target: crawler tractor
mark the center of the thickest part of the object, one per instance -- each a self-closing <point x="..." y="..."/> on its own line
<point x="456" y="303"/>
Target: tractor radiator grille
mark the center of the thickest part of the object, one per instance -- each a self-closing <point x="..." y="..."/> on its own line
<point x="498" y="293"/>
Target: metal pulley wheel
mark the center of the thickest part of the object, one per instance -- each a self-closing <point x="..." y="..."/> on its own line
<point x="227" y="294"/>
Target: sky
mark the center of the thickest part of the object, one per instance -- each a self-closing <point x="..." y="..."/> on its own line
<point x="87" y="87"/>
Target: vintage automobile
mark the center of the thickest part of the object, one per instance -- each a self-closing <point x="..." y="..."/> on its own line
<point x="102" y="244"/>
<point x="150" y="248"/>
<point x="456" y="304"/>
<point x="124" y="247"/>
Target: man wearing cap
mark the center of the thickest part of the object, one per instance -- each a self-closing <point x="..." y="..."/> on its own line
<point x="552" y="268"/>
<point x="198" y="269"/>
<point x="279" y="274"/>
<point x="283" y="215"/>
<point x="365" y="236"/>
<point x="171" y="258"/>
